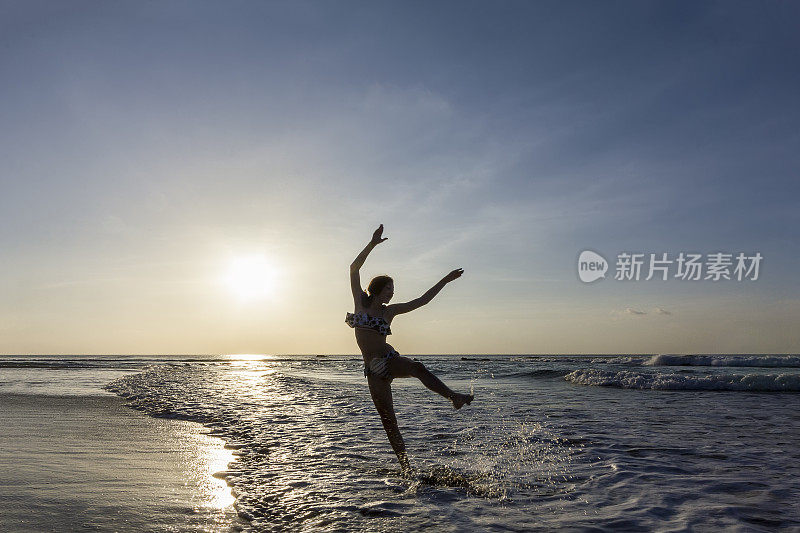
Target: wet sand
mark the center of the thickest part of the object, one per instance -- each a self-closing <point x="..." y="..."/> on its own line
<point x="90" y="463"/>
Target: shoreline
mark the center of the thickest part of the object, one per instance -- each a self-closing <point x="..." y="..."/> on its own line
<point x="92" y="462"/>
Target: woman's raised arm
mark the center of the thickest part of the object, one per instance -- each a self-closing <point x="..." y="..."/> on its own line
<point x="355" y="266"/>
<point x="396" y="309"/>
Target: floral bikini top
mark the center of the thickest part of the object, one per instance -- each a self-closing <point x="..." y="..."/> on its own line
<point x="363" y="320"/>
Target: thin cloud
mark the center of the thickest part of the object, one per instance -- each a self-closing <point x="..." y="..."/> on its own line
<point x="632" y="311"/>
<point x="615" y="313"/>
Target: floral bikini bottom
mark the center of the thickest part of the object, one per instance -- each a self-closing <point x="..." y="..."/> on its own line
<point x="379" y="366"/>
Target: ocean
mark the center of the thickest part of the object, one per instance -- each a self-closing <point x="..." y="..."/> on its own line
<point x="581" y="443"/>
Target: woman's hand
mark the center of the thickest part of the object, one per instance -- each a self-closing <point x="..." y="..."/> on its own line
<point x="376" y="237"/>
<point x="453" y="275"/>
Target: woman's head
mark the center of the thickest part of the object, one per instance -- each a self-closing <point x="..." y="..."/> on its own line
<point x="381" y="289"/>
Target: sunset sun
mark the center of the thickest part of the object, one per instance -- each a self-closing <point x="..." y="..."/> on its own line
<point x="251" y="277"/>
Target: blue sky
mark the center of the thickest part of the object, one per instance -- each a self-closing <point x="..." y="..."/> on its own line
<point x="147" y="145"/>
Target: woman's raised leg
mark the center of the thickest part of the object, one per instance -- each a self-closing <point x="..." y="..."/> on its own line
<point x="381" y="392"/>
<point x="404" y="367"/>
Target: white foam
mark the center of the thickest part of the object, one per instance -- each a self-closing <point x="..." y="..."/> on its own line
<point x="764" y="361"/>
<point x="674" y="381"/>
<point x="620" y="360"/>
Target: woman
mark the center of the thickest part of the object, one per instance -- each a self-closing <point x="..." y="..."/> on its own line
<point x="381" y="362"/>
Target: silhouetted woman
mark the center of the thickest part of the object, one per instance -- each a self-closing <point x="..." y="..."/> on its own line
<point x="382" y="363"/>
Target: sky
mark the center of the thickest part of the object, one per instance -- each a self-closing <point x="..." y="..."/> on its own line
<point x="152" y="152"/>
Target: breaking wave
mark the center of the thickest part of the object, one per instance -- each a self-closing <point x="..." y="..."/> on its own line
<point x="675" y="381"/>
<point x="764" y="361"/>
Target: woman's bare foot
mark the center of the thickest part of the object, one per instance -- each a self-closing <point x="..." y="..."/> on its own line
<point x="405" y="467"/>
<point x="460" y="399"/>
<point x="407" y="472"/>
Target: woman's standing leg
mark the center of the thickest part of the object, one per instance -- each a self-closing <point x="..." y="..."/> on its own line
<point x="381" y="392"/>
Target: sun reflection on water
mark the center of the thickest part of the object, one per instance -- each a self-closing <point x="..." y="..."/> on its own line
<point x="211" y="463"/>
<point x="250" y="357"/>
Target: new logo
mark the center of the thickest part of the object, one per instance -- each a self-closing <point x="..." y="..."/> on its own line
<point x="591" y="266"/>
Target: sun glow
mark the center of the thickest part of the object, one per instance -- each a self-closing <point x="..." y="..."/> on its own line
<point x="251" y="277"/>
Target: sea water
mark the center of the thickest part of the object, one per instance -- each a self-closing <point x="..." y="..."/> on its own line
<point x="647" y="442"/>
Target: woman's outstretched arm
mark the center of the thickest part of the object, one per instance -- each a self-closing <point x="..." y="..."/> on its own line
<point x="358" y="262"/>
<point x="396" y="309"/>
